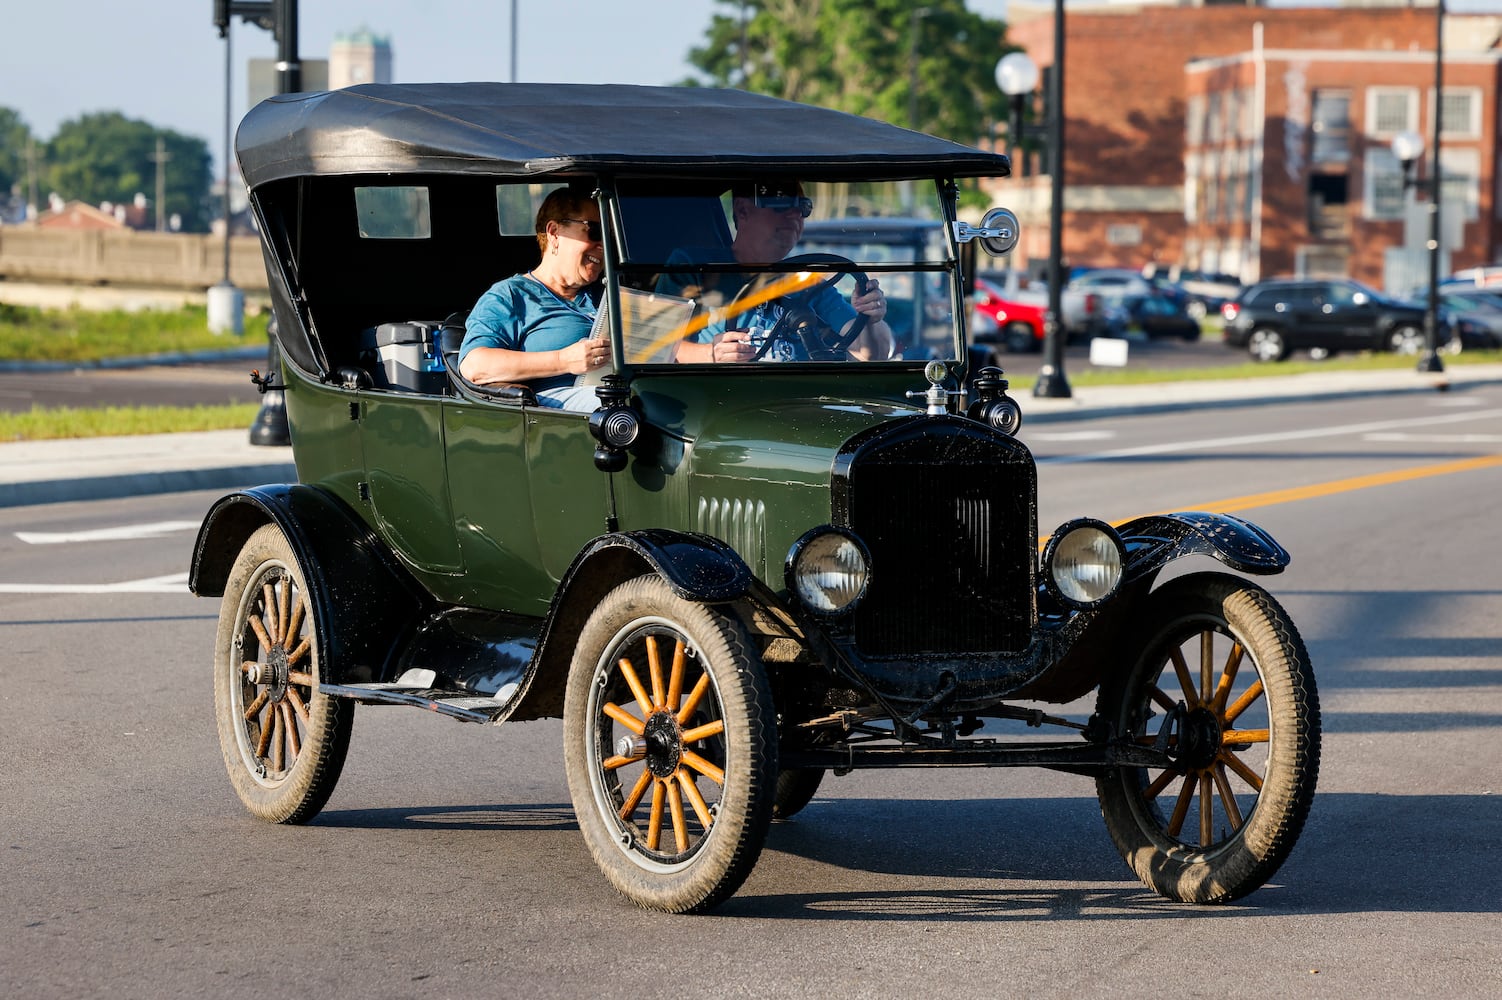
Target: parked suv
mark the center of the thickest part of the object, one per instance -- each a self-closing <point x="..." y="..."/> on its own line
<point x="1271" y="319"/>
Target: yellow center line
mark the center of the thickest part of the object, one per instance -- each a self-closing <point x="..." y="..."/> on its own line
<point x="1314" y="490"/>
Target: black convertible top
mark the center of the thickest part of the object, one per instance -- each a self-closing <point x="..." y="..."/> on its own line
<point x="527" y="129"/>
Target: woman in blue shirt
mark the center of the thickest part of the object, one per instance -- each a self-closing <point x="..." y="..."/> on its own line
<point x="534" y="327"/>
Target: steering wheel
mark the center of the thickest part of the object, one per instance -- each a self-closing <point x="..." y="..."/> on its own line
<point x="798" y="324"/>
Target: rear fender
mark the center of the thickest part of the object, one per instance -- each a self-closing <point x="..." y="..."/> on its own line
<point x="1153" y="542"/>
<point x="364" y="604"/>
<point x="697" y="567"/>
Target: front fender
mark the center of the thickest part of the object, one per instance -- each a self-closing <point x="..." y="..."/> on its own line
<point x="1154" y="541"/>
<point x="1097" y="641"/>
<point x="362" y="602"/>
<point x="698" y="567"/>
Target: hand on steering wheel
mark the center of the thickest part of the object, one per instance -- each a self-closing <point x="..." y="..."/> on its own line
<point x="801" y="325"/>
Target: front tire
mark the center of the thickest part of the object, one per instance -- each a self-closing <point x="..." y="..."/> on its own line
<point x="670" y="747"/>
<point x="283" y="741"/>
<point x="1224" y="657"/>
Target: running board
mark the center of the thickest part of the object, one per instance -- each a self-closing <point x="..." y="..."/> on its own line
<point x="466" y="706"/>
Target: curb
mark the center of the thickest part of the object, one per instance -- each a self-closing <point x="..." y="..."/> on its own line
<point x="144" y="484"/>
<point x="1071" y="410"/>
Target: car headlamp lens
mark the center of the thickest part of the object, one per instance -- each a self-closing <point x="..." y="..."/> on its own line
<point x="1084" y="561"/>
<point x="828" y="570"/>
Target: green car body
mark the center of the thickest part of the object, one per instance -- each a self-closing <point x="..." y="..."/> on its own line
<point x="729" y="580"/>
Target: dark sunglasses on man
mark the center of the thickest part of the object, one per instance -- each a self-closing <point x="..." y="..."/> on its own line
<point x="785" y="202"/>
<point x="592" y="229"/>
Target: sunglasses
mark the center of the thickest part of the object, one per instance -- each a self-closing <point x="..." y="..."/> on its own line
<point x="786" y="202"/>
<point x="592" y="229"/>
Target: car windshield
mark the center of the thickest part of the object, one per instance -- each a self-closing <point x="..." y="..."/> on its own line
<point x="799" y="272"/>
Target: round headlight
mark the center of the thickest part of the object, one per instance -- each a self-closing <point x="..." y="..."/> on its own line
<point x="1083" y="562"/>
<point x="828" y="569"/>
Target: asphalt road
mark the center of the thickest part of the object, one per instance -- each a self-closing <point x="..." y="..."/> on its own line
<point x="150" y="385"/>
<point x="448" y="864"/>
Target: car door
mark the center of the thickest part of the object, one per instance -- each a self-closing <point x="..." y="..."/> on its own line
<point x="1306" y="323"/>
<point x="1351" y="315"/>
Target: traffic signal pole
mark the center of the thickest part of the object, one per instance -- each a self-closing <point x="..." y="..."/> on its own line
<point x="280" y="18"/>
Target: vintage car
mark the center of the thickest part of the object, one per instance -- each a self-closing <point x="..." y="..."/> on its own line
<point x="729" y="580"/>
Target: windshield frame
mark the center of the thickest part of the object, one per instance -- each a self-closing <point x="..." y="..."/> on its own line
<point x="620" y="271"/>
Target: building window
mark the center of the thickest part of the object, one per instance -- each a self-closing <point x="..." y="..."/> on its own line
<point x="1331" y="127"/>
<point x="1192" y="187"/>
<point x="1382" y="197"/>
<point x="1460" y="112"/>
<point x="1390" y="110"/>
<point x="1195" y="123"/>
<point x="1461" y="169"/>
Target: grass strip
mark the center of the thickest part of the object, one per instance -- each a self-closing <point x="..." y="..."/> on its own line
<point x="49" y="423"/>
<point x="84" y="335"/>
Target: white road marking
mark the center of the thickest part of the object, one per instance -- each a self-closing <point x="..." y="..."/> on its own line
<point x="1174" y="447"/>
<point x="126" y="532"/>
<point x="174" y="583"/>
<point x="1436" y="438"/>
<point x="1070" y="435"/>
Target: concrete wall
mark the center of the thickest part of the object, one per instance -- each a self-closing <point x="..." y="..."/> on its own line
<point x="127" y="257"/>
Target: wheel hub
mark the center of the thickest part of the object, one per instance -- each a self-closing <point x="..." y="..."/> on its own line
<point x="664" y="744"/>
<point x="1200" y="739"/>
<point x="275" y="677"/>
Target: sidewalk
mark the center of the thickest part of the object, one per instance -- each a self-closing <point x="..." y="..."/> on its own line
<point x="37" y="472"/>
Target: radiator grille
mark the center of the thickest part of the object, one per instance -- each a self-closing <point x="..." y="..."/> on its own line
<point x="952" y="552"/>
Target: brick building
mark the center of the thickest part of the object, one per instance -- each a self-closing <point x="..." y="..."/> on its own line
<point x="1257" y="140"/>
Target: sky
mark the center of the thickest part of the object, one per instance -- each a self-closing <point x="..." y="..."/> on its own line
<point x="162" y="61"/>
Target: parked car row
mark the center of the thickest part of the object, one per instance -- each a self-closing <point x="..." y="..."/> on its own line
<point x="1271" y="319"/>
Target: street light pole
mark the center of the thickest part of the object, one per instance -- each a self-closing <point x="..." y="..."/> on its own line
<point x="912" y="66"/>
<point x="1051" y="380"/>
<point x="1430" y="362"/>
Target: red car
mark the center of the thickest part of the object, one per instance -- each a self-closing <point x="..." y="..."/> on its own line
<point x="1017" y="326"/>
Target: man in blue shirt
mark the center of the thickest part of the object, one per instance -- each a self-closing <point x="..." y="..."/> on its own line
<point x="768" y="218"/>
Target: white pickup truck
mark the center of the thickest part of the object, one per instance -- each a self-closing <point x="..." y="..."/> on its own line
<point x="1085" y="314"/>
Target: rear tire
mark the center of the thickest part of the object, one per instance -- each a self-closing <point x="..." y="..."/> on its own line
<point x="1405" y="340"/>
<point x="1266" y="344"/>
<point x="284" y="742"/>
<point x="796" y="788"/>
<point x="1020" y="338"/>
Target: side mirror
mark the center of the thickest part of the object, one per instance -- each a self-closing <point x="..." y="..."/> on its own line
<point x="1003" y="223"/>
<point x="997" y="232"/>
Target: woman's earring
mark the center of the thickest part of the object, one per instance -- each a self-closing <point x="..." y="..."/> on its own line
<point x="555" y="248"/>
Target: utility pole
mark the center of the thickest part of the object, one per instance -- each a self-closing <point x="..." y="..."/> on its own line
<point x="160" y="158"/>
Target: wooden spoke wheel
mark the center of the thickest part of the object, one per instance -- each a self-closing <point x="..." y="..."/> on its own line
<point x="283" y="742"/>
<point x="670" y="747"/>
<point x="1225" y="683"/>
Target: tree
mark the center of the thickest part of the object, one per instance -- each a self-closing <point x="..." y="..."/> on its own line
<point x="108" y="157"/>
<point x="14" y="137"/>
<point x="855" y="56"/>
